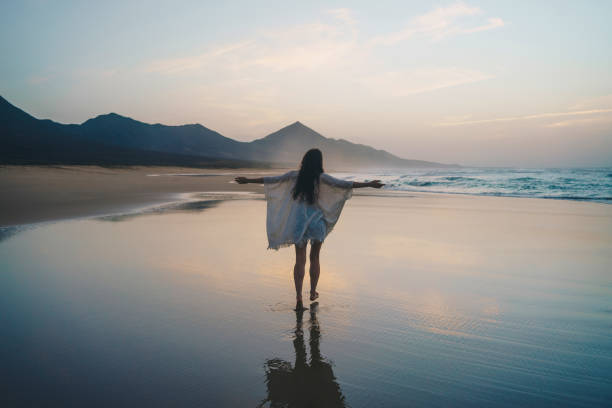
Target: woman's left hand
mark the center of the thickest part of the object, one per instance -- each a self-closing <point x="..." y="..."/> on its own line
<point x="376" y="184"/>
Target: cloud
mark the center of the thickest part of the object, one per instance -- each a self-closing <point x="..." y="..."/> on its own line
<point x="439" y="23"/>
<point x="492" y="23"/>
<point x="421" y="80"/>
<point x="578" y="122"/>
<point x="326" y="43"/>
<point x="37" y="80"/>
<point x="594" y="103"/>
<point x="324" y="62"/>
<point x="527" y="117"/>
<point x="175" y="65"/>
<point x="304" y="47"/>
<point x="300" y="47"/>
<point x="343" y="14"/>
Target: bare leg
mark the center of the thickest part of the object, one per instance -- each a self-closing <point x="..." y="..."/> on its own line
<point x="298" y="274"/>
<point x="315" y="268"/>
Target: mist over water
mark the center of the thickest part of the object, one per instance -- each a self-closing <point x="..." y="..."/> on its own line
<point x="593" y="184"/>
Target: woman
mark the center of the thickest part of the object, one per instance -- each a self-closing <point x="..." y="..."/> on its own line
<point x="304" y="206"/>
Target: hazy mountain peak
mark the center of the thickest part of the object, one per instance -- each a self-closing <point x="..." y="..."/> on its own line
<point x="295" y="131"/>
<point x="294" y="125"/>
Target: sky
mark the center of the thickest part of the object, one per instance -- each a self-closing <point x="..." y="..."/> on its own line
<point x="482" y="83"/>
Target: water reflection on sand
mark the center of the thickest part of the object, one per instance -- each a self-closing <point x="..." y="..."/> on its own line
<point x="193" y="202"/>
<point x="430" y="303"/>
<point x="308" y="382"/>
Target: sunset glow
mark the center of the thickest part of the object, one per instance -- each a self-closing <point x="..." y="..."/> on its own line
<point x="476" y="83"/>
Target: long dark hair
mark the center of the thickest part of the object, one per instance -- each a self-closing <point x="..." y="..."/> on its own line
<point x="308" y="177"/>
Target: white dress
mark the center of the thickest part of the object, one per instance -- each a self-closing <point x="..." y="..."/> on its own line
<point x="292" y="221"/>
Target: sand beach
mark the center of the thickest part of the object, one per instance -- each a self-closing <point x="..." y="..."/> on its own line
<point x="114" y="293"/>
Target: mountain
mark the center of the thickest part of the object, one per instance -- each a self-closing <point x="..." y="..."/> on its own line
<point x="186" y="139"/>
<point x="27" y="140"/>
<point x="288" y="144"/>
<point x="116" y="139"/>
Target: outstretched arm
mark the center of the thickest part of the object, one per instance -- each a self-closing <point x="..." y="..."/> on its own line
<point x="267" y="179"/>
<point x="373" y="184"/>
<point x="336" y="182"/>
<point x="244" y="180"/>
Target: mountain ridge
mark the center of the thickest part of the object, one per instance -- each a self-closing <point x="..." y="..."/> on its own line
<point x="115" y="133"/>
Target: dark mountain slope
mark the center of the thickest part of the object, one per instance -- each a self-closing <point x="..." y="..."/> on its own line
<point x="27" y="140"/>
<point x="186" y="139"/>
<point x="115" y="139"/>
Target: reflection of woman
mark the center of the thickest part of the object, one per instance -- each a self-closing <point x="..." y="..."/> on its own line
<point x="304" y="206"/>
<point x="306" y="384"/>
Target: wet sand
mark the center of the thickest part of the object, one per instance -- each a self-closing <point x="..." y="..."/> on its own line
<point x="426" y="300"/>
<point x="44" y="193"/>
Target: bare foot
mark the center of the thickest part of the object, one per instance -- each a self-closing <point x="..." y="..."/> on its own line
<point x="314" y="295"/>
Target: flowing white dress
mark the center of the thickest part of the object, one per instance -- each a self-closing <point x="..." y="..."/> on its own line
<point x="292" y="221"/>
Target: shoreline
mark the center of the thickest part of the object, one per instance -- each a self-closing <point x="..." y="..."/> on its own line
<point x="33" y="194"/>
<point x="39" y="194"/>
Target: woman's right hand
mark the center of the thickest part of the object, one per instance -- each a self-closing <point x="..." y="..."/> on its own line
<point x="241" y="180"/>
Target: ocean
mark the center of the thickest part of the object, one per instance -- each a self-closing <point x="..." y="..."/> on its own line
<point x="591" y="184"/>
